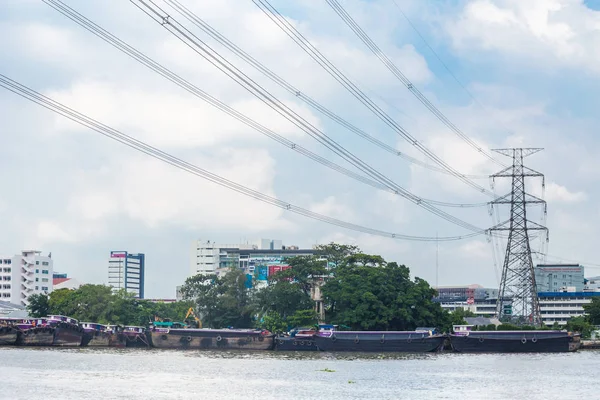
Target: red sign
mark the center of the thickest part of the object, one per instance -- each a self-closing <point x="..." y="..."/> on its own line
<point x="118" y="254"/>
<point x="273" y="269"/>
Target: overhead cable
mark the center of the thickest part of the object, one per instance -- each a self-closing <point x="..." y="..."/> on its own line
<point x="82" y="119"/>
<point x="194" y="90"/>
<point x="446" y="67"/>
<point x="314" y="53"/>
<point x="228" y="44"/>
<point x="364" y="37"/>
<point x="179" y="31"/>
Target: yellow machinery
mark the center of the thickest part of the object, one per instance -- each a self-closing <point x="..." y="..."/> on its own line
<point x="191" y="312"/>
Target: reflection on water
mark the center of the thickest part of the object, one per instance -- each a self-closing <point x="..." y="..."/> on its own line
<point x="86" y="373"/>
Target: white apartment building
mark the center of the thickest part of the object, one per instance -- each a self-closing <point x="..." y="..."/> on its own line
<point x="561" y="306"/>
<point x="25" y="274"/>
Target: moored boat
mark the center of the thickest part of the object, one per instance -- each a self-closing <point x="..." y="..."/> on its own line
<point x="300" y="339"/>
<point x="8" y="332"/>
<point x="165" y="337"/>
<point x="99" y="335"/>
<point x="67" y="331"/>
<point x="465" y="340"/>
<point x="35" y="332"/>
<point x="134" y="336"/>
<point x="418" y="341"/>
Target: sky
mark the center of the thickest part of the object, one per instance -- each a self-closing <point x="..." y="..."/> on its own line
<point x="508" y="73"/>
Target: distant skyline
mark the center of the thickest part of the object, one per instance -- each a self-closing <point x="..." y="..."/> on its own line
<point x="532" y="67"/>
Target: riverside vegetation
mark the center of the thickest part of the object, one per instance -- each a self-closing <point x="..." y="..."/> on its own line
<point x="361" y="292"/>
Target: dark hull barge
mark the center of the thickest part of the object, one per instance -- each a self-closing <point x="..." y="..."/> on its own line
<point x="381" y="341"/>
<point x="246" y="339"/>
<point x="8" y="335"/>
<point x="286" y="343"/>
<point x="516" y="342"/>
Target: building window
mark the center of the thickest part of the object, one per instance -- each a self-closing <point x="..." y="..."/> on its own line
<point x="45" y="263"/>
<point x="44" y="271"/>
<point x="37" y="288"/>
<point x="37" y="263"/>
<point x="37" y="271"/>
<point x="45" y="288"/>
<point x="37" y="279"/>
<point x="44" y="279"/>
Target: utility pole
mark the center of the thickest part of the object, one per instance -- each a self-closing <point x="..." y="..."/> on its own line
<point x="517" y="297"/>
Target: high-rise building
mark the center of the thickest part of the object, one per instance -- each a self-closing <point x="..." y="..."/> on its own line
<point x="126" y="271"/>
<point x="25" y="274"/>
<point x="559" y="277"/>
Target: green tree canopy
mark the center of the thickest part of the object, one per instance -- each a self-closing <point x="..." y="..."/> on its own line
<point x="221" y="301"/>
<point x="98" y="303"/>
<point x="366" y="293"/>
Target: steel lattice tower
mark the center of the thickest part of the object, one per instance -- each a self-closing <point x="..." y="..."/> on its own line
<point x="517" y="297"/>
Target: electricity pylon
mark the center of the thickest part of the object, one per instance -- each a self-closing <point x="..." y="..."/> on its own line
<point x="517" y="297"/>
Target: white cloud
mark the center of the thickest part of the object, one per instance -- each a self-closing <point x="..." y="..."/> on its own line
<point x="558" y="193"/>
<point x="80" y="196"/>
<point x="476" y="249"/>
<point x="562" y="32"/>
<point x="51" y="231"/>
<point x="333" y="207"/>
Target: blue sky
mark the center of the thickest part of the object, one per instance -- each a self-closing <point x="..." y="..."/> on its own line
<point x="532" y="67"/>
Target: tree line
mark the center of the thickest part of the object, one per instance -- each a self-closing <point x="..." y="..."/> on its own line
<point x="98" y="303"/>
<point x="360" y="291"/>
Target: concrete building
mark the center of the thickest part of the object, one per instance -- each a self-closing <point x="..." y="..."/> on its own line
<point x="464" y="293"/>
<point x="25" y="274"/>
<point x="62" y="281"/>
<point x="475" y="298"/>
<point x="127" y="271"/>
<point x="561" y="306"/>
<point x="559" y="277"/>
<point x="256" y="258"/>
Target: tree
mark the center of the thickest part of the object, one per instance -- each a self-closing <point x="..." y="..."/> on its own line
<point x="38" y="305"/>
<point x="592" y="310"/>
<point x="581" y="325"/>
<point x="336" y="254"/>
<point x="221" y="301"/>
<point x="366" y="293"/>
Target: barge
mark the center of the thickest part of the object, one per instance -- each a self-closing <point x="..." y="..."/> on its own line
<point x="67" y="331"/>
<point x="418" y="341"/>
<point x="134" y="336"/>
<point x="465" y="340"/>
<point x="98" y="335"/>
<point x="300" y="339"/>
<point x="8" y="332"/>
<point x="173" y="335"/>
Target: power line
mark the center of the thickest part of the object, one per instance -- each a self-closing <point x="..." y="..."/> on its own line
<point x="201" y="48"/>
<point x="446" y="67"/>
<point x="194" y="90"/>
<point x="364" y="37"/>
<point x="228" y="44"/>
<point x="156" y="153"/>
<point x="316" y="55"/>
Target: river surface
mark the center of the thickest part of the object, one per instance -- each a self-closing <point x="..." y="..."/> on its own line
<point x="51" y="373"/>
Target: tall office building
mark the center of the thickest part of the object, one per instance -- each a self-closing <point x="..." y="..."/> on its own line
<point x="126" y="271"/>
<point x="25" y="274"/>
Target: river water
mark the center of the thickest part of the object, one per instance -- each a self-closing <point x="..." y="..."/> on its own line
<point x="50" y="373"/>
